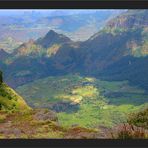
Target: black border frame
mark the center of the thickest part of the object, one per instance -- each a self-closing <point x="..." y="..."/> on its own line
<point x="70" y="4"/>
<point x="73" y="143"/>
<point x="73" y="4"/>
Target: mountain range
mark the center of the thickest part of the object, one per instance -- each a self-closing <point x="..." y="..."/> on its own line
<point x="117" y="52"/>
<point x="16" y="29"/>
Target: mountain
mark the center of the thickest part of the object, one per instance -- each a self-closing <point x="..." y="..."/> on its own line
<point x="55" y="54"/>
<point x="26" y="69"/>
<point x="31" y="60"/>
<point x="43" y="46"/>
<point x="128" y="68"/>
<point x="133" y="66"/>
<point x="111" y="44"/>
<point x="9" y="99"/>
<point x="117" y="40"/>
<point x="33" y="49"/>
<point x="51" y="38"/>
<point x="123" y="37"/>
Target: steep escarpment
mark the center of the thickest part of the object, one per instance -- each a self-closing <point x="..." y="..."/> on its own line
<point x="129" y="20"/>
<point x="123" y="36"/>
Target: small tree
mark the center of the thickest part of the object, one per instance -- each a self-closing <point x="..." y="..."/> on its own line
<point x="1" y="77"/>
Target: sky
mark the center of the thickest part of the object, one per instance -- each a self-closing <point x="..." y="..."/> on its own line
<point x="55" y="12"/>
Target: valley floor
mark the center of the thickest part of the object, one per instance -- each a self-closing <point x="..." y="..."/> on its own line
<point x="75" y="107"/>
<point x="85" y="101"/>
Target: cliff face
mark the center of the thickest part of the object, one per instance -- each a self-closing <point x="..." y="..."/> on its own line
<point x="130" y="20"/>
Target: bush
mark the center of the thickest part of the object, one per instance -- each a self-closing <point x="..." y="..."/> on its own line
<point x="127" y="131"/>
<point x="2" y="118"/>
<point x="139" y="119"/>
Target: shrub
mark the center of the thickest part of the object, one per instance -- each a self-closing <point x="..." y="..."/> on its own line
<point x="139" y="119"/>
<point x="2" y="118"/>
<point x="127" y="131"/>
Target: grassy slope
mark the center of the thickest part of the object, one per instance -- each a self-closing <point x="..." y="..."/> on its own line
<point x="39" y="124"/>
<point x="88" y="93"/>
<point x="10" y="100"/>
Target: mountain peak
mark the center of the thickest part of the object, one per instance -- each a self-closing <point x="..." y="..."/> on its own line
<point x="51" y="38"/>
<point x="52" y="32"/>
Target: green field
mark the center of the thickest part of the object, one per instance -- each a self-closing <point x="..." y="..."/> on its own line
<point x="85" y="101"/>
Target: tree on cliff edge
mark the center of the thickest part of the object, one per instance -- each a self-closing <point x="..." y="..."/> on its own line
<point x="1" y="77"/>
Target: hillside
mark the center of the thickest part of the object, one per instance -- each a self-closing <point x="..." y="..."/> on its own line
<point x="132" y="66"/>
<point x="31" y="59"/>
<point x="128" y="68"/>
<point x="9" y="99"/>
<point x="122" y="38"/>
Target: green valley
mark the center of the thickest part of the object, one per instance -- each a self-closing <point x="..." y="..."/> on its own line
<point x="85" y="101"/>
<point x="18" y="120"/>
